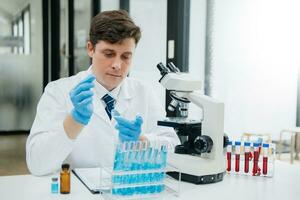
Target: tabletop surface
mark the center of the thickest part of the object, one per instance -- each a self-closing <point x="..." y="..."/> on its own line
<point x="284" y="185"/>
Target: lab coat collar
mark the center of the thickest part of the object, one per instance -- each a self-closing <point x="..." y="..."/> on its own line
<point x="125" y="90"/>
<point x="124" y="98"/>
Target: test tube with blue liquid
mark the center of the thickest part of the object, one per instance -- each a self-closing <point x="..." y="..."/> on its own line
<point x="137" y="157"/>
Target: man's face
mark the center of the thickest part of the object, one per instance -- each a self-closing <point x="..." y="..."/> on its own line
<point x="111" y="62"/>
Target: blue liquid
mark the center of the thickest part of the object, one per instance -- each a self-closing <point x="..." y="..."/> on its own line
<point x="152" y="189"/>
<point x="54" y="188"/>
<point x="130" y="159"/>
<point x="115" y="191"/>
<point x="160" y="188"/>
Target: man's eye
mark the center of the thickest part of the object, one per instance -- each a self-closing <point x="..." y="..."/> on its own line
<point x="109" y="55"/>
<point x="126" y="57"/>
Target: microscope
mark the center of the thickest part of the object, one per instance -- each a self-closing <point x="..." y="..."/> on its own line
<point x="200" y="156"/>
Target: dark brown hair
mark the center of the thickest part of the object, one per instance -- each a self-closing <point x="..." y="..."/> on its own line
<point x="113" y="27"/>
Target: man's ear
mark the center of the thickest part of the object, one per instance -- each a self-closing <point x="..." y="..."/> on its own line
<point x="90" y="49"/>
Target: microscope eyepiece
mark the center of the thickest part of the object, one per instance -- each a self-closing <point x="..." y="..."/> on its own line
<point x="172" y="67"/>
<point x="163" y="70"/>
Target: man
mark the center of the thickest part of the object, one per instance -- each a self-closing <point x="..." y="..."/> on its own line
<point x="74" y="121"/>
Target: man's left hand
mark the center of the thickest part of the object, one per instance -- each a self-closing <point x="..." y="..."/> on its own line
<point x="129" y="130"/>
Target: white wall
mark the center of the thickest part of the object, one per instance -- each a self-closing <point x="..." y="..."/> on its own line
<point x="197" y="47"/>
<point x="151" y="16"/>
<point x="255" y="62"/>
<point x="109" y="5"/>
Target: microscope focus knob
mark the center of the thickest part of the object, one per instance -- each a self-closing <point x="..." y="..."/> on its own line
<point x="203" y="144"/>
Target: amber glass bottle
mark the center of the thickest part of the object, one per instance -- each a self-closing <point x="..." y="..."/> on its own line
<point x="65" y="179"/>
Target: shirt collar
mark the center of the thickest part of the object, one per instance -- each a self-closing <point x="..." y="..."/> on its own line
<point x="101" y="91"/>
<point x="122" y="90"/>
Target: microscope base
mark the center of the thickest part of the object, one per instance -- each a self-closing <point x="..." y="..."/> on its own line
<point x="206" y="179"/>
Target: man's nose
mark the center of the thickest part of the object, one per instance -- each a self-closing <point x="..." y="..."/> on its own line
<point x="116" y="65"/>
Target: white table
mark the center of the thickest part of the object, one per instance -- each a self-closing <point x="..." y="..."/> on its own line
<point x="285" y="185"/>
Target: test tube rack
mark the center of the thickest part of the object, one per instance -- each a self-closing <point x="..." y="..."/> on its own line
<point x="138" y="172"/>
<point x="250" y="158"/>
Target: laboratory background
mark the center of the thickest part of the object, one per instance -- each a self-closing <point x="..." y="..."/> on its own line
<point x="246" y="54"/>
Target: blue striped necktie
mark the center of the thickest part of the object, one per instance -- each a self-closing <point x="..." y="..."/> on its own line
<point x="110" y="104"/>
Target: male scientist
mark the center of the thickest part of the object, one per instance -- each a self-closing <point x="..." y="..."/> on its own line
<point x="74" y="124"/>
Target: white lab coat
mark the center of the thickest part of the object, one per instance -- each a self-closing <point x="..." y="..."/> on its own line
<point x="48" y="146"/>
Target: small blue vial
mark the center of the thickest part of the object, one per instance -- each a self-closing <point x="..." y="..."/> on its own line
<point x="54" y="185"/>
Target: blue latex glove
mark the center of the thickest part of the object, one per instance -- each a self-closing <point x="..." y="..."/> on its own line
<point x="128" y="130"/>
<point x="82" y="97"/>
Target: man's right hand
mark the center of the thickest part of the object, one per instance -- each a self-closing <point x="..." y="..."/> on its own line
<point x="82" y="99"/>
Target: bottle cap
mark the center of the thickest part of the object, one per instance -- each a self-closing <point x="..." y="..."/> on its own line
<point x="54" y="179"/>
<point x="255" y="144"/>
<point x="247" y="144"/>
<point x="65" y="166"/>
<point x="266" y="145"/>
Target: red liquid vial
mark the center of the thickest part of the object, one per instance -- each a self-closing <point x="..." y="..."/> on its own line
<point x="246" y="166"/>
<point x="228" y="154"/>
<point x="265" y="159"/>
<point x="255" y="159"/>
<point x="237" y="155"/>
<point x="229" y="161"/>
<point x="247" y="156"/>
<point x="265" y="165"/>
<point x="237" y="162"/>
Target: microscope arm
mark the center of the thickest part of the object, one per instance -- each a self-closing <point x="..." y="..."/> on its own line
<point x="200" y="100"/>
<point x="213" y="116"/>
<point x="203" y="100"/>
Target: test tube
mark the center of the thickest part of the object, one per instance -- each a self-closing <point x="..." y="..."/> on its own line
<point x="255" y="159"/>
<point x="229" y="149"/>
<point x="265" y="158"/>
<point x="237" y="155"/>
<point x="247" y="156"/>
<point x="119" y="156"/>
